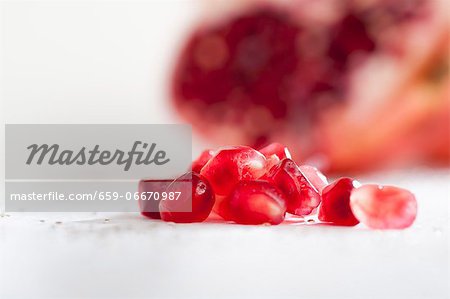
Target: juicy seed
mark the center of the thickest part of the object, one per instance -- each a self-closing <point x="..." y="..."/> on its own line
<point x="277" y="149"/>
<point x="231" y="165"/>
<point x="150" y="208"/>
<point x="384" y="207"/>
<point x="255" y="202"/>
<point x="204" y="157"/>
<point x="194" y="203"/>
<point x="301" y="196"/>
<point x="335" y="207"/>
<point x="274" y="153"/>
<point x="315" y="177"/>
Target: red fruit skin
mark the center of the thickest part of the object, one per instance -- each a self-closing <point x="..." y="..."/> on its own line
<point x="231" y="165"/>
<point x="204" y="157"/>
<point x="200" y="204"/>
<point x="301" y="196"/>
<point x="256" y="202"/>
<point x="335" y="207"/>
<point x="384" y="207"/>
<point x="150" y="208"/>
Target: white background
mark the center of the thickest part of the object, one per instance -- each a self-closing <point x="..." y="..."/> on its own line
<point x="108" y="62"/>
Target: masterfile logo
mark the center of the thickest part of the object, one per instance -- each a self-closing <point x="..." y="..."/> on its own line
<point x="53" y="155"/>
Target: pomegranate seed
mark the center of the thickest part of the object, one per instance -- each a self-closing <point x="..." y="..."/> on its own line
<point x="204" y="157"/>
<point x="302" y="197"/>
<point x="315" y="177"/>
<point x="187" y="208"/>
<point x="277" y="149"/>
<point x="152" y="215"/>
<point x="256" y="202"/>
<point x="221" y="207"/>
<point x="274" y="153"/>
<point x="384" y="207"/>
<point x="231" y="165"/>
<point x="335" y="207"/>
<point x="150" y="208"/>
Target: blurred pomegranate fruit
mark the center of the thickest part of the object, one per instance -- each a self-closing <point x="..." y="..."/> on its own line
<point x="346" y="85"/>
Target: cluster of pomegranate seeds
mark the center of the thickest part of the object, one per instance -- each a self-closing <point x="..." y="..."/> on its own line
<point x="236" y="183"/>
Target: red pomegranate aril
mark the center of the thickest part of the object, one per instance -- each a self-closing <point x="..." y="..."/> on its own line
<point x="231" y="165"/>
<point x="301" y="196"/>
<point x="335" y="207"/>
<point x="277" y="149"/>
<point x="221" y="207"/>
<point x="204" y="157"/>
<point x="270" y="163"/>
<point x="151" y="215"/>
<point x="384" y="207"/>
<point x="192" y="205"/>
<point x="150" y="208"/>
<point x="315" y="177"/>
<point x="274" y="153"/>
<point x="256" y="202"/>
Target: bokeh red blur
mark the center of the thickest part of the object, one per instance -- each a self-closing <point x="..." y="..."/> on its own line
<point x="346" y="85"/>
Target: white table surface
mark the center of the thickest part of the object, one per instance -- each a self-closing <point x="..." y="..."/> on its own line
<point x="103" y="255"/>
